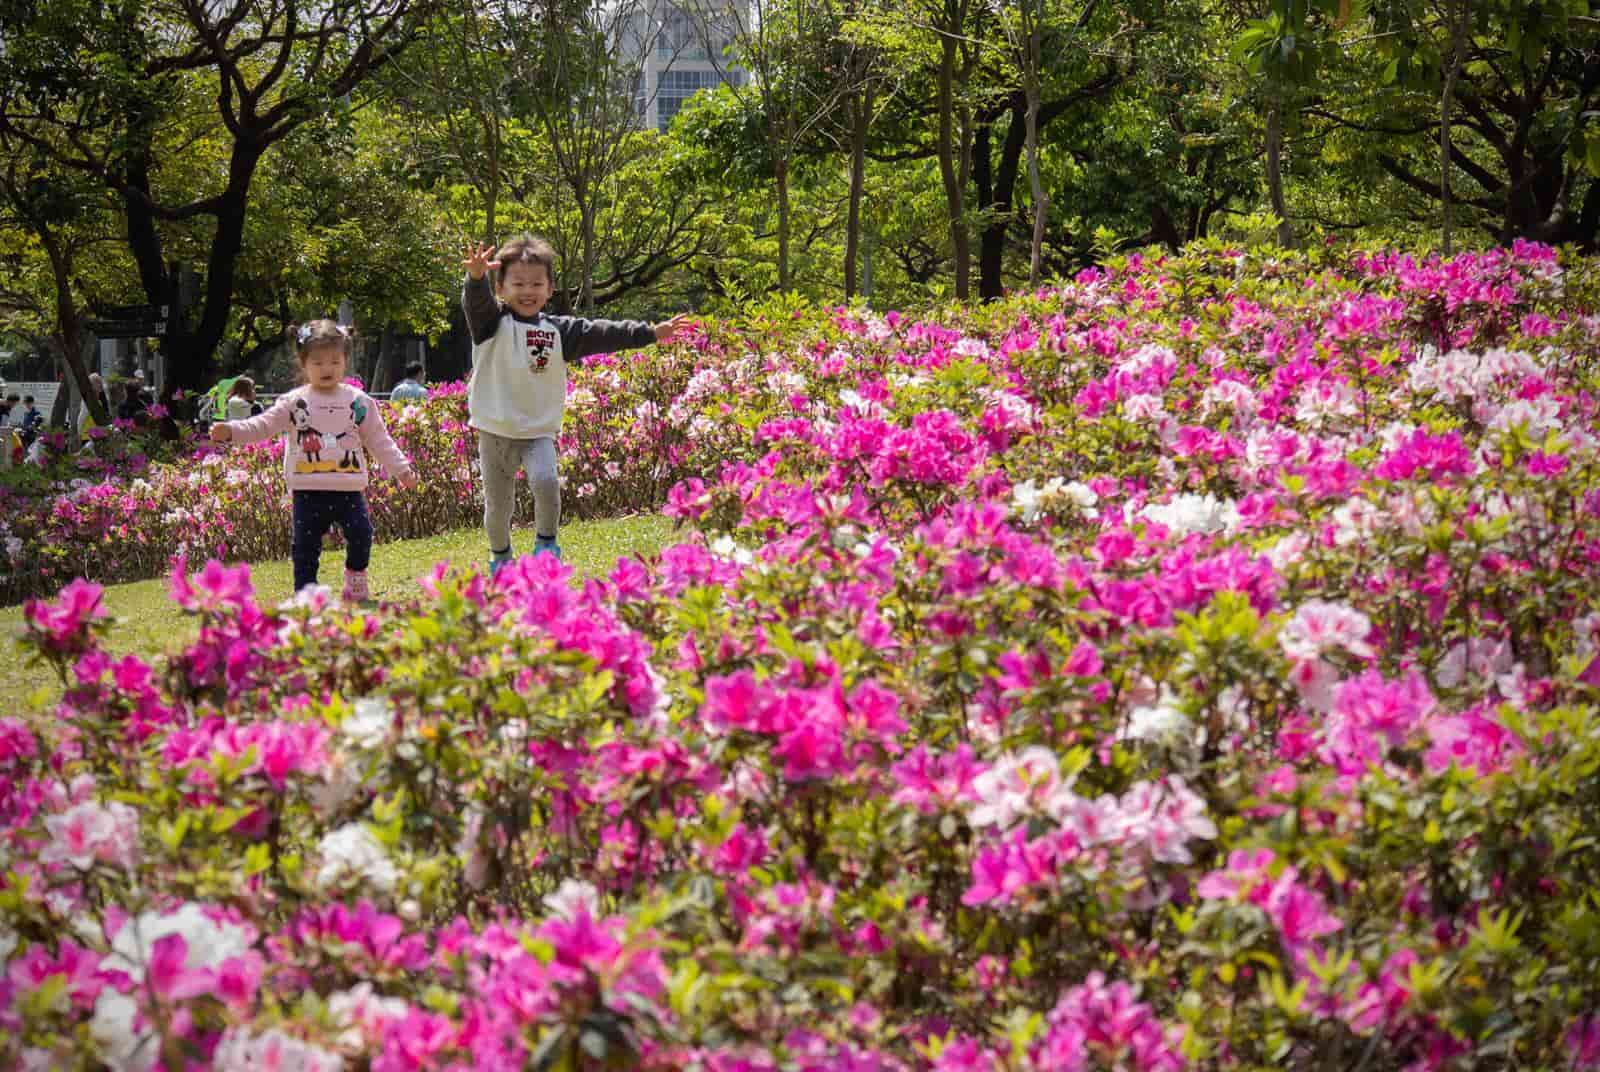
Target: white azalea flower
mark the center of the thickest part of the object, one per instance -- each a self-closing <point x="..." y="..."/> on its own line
<point x="354" y="852"/>
<point x="368" y="726"/>
<point x="1194" y="513"/>
<point x="571" y="896"/>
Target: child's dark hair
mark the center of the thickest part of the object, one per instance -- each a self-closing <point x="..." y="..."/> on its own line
<point x="318" y="332"/>
<point x="527" y="249"/>
<point x="244" y="387"/>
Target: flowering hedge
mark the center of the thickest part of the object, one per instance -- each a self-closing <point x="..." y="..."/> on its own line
<point x="1193" y="666"/>
<point x="113" y="515"/>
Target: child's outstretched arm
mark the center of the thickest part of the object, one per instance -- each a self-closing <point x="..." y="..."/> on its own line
<point x="381" y="445"/>
<point x="668" y="330"/>
<point x="580" y="338"/>
<point x="254" y="429"/>
<point x="477" y="296"/>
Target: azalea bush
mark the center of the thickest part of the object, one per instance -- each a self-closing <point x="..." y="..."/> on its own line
<point x="122" y="511"/>
<point x="1193" y="665"/>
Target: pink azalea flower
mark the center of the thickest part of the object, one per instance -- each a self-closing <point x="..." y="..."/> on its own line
<point x="62" y="626"/>
<point x="90" y="833"/>
<point x="1583" y="1042"/>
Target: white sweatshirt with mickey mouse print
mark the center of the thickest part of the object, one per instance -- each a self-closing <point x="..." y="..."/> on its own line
<point x="519" y="367"/>
<point x="327" y="435"/>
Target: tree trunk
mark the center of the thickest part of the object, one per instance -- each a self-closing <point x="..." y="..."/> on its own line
<point x="144" y="242"/>
<point x="861" y="108"/>
<point x="1041" y="200"/>
<point x="586" y="214"/>
<point x="385" y="368"/>
<point x="999" y="196"/>
<point x="1458" y="29"/>
<point x="866" y="267"/>
<point x="491" y="192"/>
<point x="953" y="187"/>
<point x="967" y="131"/>
<point x="1275" y="170"/>
<point x="993" y="202"/>
<point x="190" y="360"/>
<point x="68" y="325"/>
<point x="781" y="177"/>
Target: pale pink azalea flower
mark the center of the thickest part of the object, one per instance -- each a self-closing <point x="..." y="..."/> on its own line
<point x="1315" y="680"/>
<point x="1090" y="820"/>
<point x="1319" y="626"/>
<point x="1149" y="409"/>
<point x="362" y="1014"/>
<point x="91" y="833"/>
<point x="1017" y="785"/>
<point x="1288" y="551"/>
<point x="572" y="897"/>
<point x="1246" y="869"/>
<point x="1324" y="401"/>
<point x="272" y="1050"/>
<point x="1485" y="658"/>
<point x="1354" y="520"/>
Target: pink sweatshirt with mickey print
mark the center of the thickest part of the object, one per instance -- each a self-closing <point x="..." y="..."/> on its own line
<point x="327" y="435"/>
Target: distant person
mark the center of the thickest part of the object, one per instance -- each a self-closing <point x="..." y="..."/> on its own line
<point x="10" y="444"/>
<point x="29" y="422"/>
<point x="135" y="400"/>
<point x="242" y="399"/>
<point x="86" y="420"/>
<point x="518" y="390"/>
<point x="328" y="429"/>
<point x="410" y="389"/>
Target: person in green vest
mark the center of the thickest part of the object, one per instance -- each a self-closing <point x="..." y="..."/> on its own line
<point x="216" y="407"/>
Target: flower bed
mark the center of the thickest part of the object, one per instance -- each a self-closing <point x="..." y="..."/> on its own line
<point x="115" y="517"/>
<point x="1194" y="666"/>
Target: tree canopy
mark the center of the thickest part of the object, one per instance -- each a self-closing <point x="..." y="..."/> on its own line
<point x="292" y="156"/>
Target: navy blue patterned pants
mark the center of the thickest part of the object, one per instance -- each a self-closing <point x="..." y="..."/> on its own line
<point x="315" y="512"/>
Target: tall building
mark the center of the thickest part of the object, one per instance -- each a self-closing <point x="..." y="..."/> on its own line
<point x="681" y="49"/>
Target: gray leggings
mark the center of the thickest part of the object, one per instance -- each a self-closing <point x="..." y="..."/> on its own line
<point x="498" y="459"/>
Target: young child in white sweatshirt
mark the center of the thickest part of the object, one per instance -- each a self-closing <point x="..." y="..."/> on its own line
<point x="518" y="390"/>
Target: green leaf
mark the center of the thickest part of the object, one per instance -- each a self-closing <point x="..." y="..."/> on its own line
<point x="257" y="858"/>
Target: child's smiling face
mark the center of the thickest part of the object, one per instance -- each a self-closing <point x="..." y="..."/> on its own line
<point x="525" y="287"/>
<point x="324" y="365"/>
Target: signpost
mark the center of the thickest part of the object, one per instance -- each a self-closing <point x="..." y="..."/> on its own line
<point x="130" y="322"/>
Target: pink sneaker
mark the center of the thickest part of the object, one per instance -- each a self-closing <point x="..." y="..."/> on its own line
<point x="355" y="587"/>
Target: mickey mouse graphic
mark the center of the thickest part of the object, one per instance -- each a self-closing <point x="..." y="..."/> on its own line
<point x="537" y="341"/>
<point x="349" y="440"/>
<point x="306" y="437"/>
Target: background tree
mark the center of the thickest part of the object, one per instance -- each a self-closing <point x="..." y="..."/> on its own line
<point x="112" y="92"/>
<point x="796" y="83"/>
<point x="57" y="212"/>
<point x="455" y="87"/>
<point x="1520" y="136"/>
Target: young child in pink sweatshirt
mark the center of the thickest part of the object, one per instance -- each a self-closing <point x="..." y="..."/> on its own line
<point x="328" y="426"/>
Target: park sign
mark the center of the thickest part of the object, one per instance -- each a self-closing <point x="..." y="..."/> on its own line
<point x="130" y="321"/>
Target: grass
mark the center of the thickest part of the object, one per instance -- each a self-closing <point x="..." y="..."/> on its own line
<point x="147" y="623"/>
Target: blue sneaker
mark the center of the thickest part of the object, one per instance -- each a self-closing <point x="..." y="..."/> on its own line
<point x="497" y="561"/>
<point x="543" y="544"/>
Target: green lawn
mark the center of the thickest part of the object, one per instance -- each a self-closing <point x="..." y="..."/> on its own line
<point x="147" y="623"/>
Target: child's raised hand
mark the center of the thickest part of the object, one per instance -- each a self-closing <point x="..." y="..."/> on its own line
<point x="221" y="433"/>
<point x="668" y="330"/>
<point x="477" y="259"/>
<point x="408" y="479"/>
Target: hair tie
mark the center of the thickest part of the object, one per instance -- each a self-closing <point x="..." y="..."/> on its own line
<point x="303" y="336"/>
